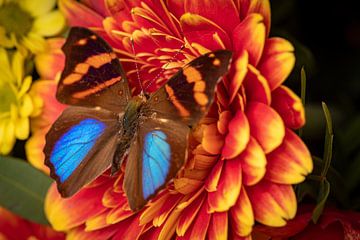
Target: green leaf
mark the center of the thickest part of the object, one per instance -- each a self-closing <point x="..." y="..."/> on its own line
<point x="23" y="189"/>
<point x="321" y="201"/>
<point x="329" y="138"/>
<point x="303" y="92"/>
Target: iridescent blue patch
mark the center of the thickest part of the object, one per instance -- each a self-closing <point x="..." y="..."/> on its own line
<point x="72" y="147"/>
<point x="156" y="162"/>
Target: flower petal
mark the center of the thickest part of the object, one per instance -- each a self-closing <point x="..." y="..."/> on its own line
<point x="218" y="228"/>
<point x="210" y="9"/>
<point x="277" y="62"/>
<point x="289" y="106"/>
<point x="22" y="129"/>
<point x="201" y="223"/>
<point x="256" y="87"/>
<point x="272" y="203"/>
<point x="37" y="7"/>
<point x="188" y="215"/>
<point x="212" y="140"/>
<point x="78" y="14"/>
<point x="64" y="214"/>
<point x="241" y="68"/>
<point x="237" y="137"/>
<point x="249" y="35"/>
<point x="228" y="188"/>
<point x="266" y="126"/>
<point x="257" y="6"/>
<point x="242" y="215"/>
<point x="186" y="185"/>
<point x="201" y="30"/>
<point x="253" y="162"/>
<point x="49" y="24"/>
<point x="212" y="180"/>
<point x="291" y="162"/>
<point x="52" y="61"/>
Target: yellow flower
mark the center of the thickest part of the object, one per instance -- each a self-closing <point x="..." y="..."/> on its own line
<point x="25" y="23"/>
<point x="16" y="105"/>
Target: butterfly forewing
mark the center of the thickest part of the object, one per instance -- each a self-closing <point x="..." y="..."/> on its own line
<point x="93" y="75"/>
<point x="80" y="146"/>
<point x="189" y="93"/>
<point x="156" y="154"/>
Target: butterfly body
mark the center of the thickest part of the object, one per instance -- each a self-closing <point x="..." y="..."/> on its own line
<point x="106" y="124"/>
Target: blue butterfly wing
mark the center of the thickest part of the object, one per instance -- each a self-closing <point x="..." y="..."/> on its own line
<point x="80" y="146"/>
<point x="156" y="154"/>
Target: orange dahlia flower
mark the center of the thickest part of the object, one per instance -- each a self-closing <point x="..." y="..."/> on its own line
<point x="14" y="227"/>
<point x="244" y="154"/>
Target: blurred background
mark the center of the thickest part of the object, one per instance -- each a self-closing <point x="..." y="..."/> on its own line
<point x="326" y="36"/>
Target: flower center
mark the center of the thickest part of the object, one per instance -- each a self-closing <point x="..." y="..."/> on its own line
<point x="7" y="97"/>
<point x="15" y="20"/>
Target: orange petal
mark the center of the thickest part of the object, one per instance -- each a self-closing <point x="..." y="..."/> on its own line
<point x="277" y="62"/>
<point x="212" y="141"/>
<point x="253" y="162"/>
<point x="289" y="106"/>
<point x="118" y="214"/>
<point x="213" y="179"/>
<point x="97" y="222"/>
<point x="166" y="209"/>
<point x="265" y="125"/>
<point x="291" y="162"/>
<point x="213" y="8"/>
<point x="249" y="35"/>
<point x="240" y="73"/>
<point x="64" y="214"/>
<point x="78" y="14"/>
<point x="237" y="137"/>
<point x="242" y="215"/>
<point x="129" y="229"/>
<point x="34" y="151"/>
<point x="51" y="62"/>
<point x="272" y="203"/>
<point x="261" y="7"/>
<point x="188" y="215"/>
<point x="228" y="188"/>
<point x="256" y="87"/>
<point x="187" y="185"/>
<point x="201" y="30"/>
<point x="218" y="228"/>
<point x="203" y="160"/>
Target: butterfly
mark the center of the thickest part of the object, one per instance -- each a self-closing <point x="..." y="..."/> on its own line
<point x="105" y="122"/>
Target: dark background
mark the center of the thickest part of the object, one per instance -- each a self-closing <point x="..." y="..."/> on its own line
<point x="326" y="36"/>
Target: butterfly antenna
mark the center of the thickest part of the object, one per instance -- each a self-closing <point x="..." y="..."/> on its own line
<point x="136" y="66"/>
<point x="164" y="68"/>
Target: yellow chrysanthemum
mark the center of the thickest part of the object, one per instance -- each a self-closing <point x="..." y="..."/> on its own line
<point x="16" y="105"/>
<point x="25" y="23"/>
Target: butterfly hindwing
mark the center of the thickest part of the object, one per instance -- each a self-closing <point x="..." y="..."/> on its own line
<point x="156" y="154"/>
<point x="93" y="75"/>
<point x="189" y="93"/>
<point x="80" y="146"/>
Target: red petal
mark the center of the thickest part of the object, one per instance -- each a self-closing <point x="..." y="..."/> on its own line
<point x="224" y="119"/>
<point x="201" y="223"/>
<point x="242" y="215"/>
<point x="210" y="9"/>
<point x="188" y="215"/>
<point x="256" y="86"/>
<point x="218" y="228"/>
<point x="228" y="188"/>
<point x="237" y="137"/>
<point x="277" y="62"/>
<point x="78" y="14"/>
<point x="249" y="35"/>
<point x="265" y="125"/>
<point x="289" y="106"/>
<point x="272" y="203"/>
<point x="200" y="30"/>
<point x="253" y="162"/>
<point x="291" y="162"/>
